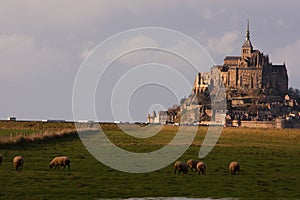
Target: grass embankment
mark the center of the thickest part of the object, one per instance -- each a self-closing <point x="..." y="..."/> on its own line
<point x="270" y="168"/>
<point x="29" y="131"/>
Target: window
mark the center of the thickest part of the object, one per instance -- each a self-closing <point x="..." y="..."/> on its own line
<point x="245" y="50"/>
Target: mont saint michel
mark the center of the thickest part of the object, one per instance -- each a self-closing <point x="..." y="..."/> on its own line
<point x="257" y="94"/>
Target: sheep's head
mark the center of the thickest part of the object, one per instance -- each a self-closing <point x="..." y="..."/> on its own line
<point x="51" y="165"/>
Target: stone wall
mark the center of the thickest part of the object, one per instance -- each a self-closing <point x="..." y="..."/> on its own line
<point x="254" y="124"/>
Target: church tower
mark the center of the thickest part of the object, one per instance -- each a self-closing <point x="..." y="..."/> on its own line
<point x="247" y="48"/>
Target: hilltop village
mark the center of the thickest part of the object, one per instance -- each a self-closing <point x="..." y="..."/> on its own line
<point x="256" y="93"/>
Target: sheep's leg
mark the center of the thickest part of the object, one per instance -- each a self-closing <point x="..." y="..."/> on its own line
<point x="236" y="171"/>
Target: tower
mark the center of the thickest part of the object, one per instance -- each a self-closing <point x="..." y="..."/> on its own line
<point x="247" y="48"/>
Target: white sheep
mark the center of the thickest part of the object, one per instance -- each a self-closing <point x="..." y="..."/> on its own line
<point x="60" y="161"/>
<point x="201" y="167"/>
<point x="18" y="162"/>
<point x="181" y="167"/>
<point x="234" y="167"/>
<point x="1" y="159"/>
<point x="192" y="164"/>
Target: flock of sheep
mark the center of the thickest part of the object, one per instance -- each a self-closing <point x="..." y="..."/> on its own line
<point x="234" y="167"/>
<point x="18" y="162"/>
<point x="183" y="167"/>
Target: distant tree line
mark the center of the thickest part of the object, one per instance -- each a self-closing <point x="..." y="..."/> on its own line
<point x="295" y="93"/>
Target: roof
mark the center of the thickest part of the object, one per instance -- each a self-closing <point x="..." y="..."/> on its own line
<point x="232" y="58"/>
<point x="247" y="43"/>
<point x="278" y="66"/>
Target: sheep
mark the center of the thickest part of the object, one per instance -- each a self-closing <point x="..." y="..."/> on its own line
<point x="1" y="158"/>
<point x="18" y="162"/>
<point x="60" y="161"/>
<point x="192" y="164"/>
<point x="201" y="167"/>
<point x="234" y="167"/>
<point x="181" y="167"/>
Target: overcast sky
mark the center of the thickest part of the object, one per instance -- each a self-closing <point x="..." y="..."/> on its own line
<point x="43" y="43"/>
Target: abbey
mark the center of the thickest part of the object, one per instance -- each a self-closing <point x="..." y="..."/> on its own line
<point x="248" y="74"/>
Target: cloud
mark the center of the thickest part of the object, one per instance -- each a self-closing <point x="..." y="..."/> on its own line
<point x="86" y="49"/>
<point x="279" y="23"/>
<point x="290" y="55"/>
<point x="207" y="13"/>
<point x="165" y="51"/>
<point x="84" y="53"/>
<point x="68" y="16"/>
<point x="198" y="56"/>
<point x="227" y="44"/>
<point x="23" y="57"/>
<point x="138" y="41"/>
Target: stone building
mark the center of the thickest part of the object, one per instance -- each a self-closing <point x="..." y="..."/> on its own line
<point x="163" y="117"/>
<point x="251" y="72"/>
<point x="201" y="82"/>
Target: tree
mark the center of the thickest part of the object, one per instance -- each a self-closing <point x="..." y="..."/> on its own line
<point x="183" y="100"/>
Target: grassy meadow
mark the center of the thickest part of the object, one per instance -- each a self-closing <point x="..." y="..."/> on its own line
<point x="269" y="158"/>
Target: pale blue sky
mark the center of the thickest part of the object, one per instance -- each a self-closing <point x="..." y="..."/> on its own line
<point x="43" y="43"/>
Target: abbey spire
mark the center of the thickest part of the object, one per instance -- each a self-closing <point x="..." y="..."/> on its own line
<point x="248" y="31"/>
<point x="247" y="48"/>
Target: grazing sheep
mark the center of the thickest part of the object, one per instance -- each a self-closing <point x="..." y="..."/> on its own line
<point x="1" y="158"/>
<point x="234" y="167"/>
<point x="60" y="161"/>
<point x="18" y="162"/>
<point x="192" y="164"/>
<point x="201" y="167"/>
<point x="181" y="167"/>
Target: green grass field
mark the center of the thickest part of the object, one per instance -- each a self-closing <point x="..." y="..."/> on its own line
<point x="269" y="158"/>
